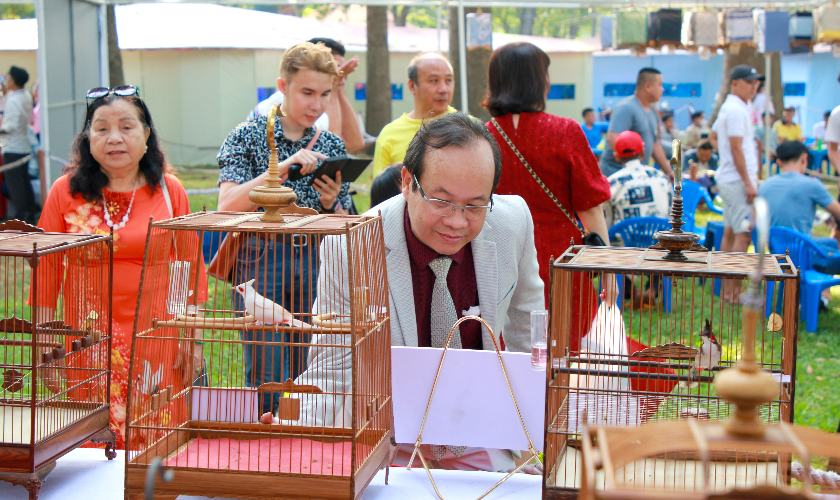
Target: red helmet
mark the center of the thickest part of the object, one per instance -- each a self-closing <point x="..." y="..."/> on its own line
<point x="628" y="144"/>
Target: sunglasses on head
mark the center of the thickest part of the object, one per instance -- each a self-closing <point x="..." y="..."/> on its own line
<point x="100" y="92"/>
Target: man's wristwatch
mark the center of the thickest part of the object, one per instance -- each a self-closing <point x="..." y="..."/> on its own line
<point x="331" y="210"/>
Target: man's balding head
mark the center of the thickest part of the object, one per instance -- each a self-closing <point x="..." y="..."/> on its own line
<point x="431" y="82"/>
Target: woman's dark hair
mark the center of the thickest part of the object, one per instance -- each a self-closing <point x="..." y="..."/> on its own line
<point x="86" y="176"/>
<point x="386" y="185"/>
<point x="518" y="77"/>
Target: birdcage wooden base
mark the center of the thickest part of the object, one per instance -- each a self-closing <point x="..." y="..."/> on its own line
<point x="232" y="465"/>
<point x="682" y="473"/>
<point x="28" y="466"/>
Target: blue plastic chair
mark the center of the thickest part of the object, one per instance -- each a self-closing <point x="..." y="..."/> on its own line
<point x="802" y="251"/>
<point x="692" y="194"/>
<point x="638" y="232"/>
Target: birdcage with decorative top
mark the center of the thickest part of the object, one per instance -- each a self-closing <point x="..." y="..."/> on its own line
<point x="741" y="457"/>
<point x="652" y="347"/>
<point x="283" y="384"/>
<point x="55" y="309"/>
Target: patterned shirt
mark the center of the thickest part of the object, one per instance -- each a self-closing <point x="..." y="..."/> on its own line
<point x="638" y="191"/>
<point x="244" y="156"/>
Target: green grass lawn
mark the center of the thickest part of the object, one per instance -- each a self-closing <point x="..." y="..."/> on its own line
<point x="817" y="401"/>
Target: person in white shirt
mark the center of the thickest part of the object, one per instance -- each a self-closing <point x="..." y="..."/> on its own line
<point x="339" y="117"/>
<point x="818" y="131"/>
<point x="14" y="141"/>
<point x="737" y="175"/>
<point x="832" y="136"/>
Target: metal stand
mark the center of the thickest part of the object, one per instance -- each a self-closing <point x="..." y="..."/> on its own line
<point x="533" y="454"/>
<point x="674" y="240"/>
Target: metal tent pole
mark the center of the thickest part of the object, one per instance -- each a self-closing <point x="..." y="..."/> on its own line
<point x="462" y="58"/>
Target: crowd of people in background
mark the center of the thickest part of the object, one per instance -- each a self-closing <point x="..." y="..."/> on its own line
<point x="527" y="182"/>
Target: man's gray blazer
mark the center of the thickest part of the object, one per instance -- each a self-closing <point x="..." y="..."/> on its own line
<point x="508" y="283"/>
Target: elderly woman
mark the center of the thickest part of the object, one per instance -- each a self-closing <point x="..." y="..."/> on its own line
<point x="537" y="145"/>
<point x="284" y="269"/>
<point x="117" y="181"/>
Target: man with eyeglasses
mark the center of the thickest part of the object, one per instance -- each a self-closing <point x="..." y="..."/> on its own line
<point x="453" y="249"/>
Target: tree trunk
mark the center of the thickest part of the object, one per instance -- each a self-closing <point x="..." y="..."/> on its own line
<point x="527" y="15"/>
<point x="378" y="94"/>
<point x="749" y="55"/>
<point x="400" y="14"/>
<point x="115" y="63"/>
<point x="478" y="62"/>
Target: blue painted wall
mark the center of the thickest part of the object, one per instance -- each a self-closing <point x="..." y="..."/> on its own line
<point x="822" y="91"/>
<point x="675" y="68"/>
<point x="817" y="71"/>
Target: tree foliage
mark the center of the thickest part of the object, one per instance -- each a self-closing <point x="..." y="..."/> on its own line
<point x="551" y="22"/>
<point x="17" y="11"/>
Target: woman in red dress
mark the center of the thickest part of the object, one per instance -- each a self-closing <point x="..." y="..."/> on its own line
<point x="556" y="150"/>
<point x="117" y="182"/>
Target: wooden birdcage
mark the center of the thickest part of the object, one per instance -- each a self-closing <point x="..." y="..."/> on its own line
<point x="653" y="347"/>
<point x="639" y="360"/>
<point x="637" y="363"/>
<point x="225" y="433"/>
<point x="55" y="302"/>
<point x="740" y="457"/>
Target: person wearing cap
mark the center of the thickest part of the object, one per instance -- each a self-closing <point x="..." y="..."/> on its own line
<point x="737" y="176"/>
<point x="786" y="129"/>
<point x="636" y="190"/>
<point x="338" y="117"/>
<point x="14" y="142"/>
<point x="693" y="134"/>
<point x="638" y="113"/>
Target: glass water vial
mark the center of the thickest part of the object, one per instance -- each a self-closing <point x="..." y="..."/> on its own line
<point x="539" y="333"/>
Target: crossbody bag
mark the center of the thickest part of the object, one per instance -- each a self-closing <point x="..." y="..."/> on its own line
<point x="592" y="239"/>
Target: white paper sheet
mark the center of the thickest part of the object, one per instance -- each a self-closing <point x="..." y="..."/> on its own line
<point x="472" y="406"/>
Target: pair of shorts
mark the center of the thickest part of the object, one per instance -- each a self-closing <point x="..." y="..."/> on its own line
<point x="737" y="213"/>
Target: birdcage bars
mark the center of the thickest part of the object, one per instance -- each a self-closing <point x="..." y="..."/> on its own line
<point x="55" y="336"/>
<point x="213" y="432"/>
<point x="634" y="364"/>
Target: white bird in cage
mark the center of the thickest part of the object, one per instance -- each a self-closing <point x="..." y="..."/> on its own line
<point x="708" y="357"/>
<point x="149" y="382"/>
<point x="265" y="310"/>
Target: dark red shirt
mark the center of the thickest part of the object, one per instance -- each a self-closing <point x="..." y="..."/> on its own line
<point x="461" y="282"/>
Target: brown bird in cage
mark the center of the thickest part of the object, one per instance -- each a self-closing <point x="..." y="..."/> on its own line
<point x="708" y="357"/>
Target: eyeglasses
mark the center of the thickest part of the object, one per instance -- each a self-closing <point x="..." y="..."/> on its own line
<point x="443" y="208"/>
<point x="100" y="92"/>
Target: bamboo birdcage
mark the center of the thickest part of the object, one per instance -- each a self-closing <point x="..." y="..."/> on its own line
<point x="228" y="434"/>
<point x="638" y="362"/>
<point x="649" y="379"/>
<point x="55" y="337"/>
<point x="767" y="457"/>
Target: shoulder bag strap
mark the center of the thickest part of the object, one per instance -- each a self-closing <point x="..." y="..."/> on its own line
<point x="166" y="197"/>
<point x="536" y="177"/>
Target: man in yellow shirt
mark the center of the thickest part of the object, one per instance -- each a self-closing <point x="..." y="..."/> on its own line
<point x="785" y="129"/>
<point x="432" y="84"/>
